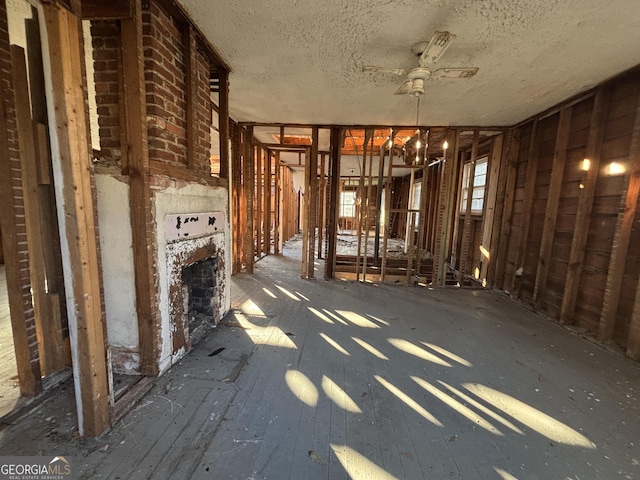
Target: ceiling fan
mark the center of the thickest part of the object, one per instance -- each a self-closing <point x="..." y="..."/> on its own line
<point x="428" y="54"/>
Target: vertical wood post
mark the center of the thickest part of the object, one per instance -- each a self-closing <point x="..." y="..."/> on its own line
<point x="332" y="210"/>
<point x="248" y="188"/>
<point x="140" y="190"/>
<point x="13" y="234"/>
<point x="258" y="200"/>
<point x="268" y="180"/>
<point x="551" y="210"/>
<point x="313" y="202"/>
<point x="447" y="204"/>
<point x="490" y="214"/>
<point x="530" y="186"/>
<point x="277" y="228"/>
<point x="78" y="221"/>
<point x="223" y="122"/>
<point x="322" y="200"/>
<point x="466" y="229"/>
<point x="585" y="205"/>
<point x="191" y="91"/>
<point x="511" y="166"/>
<point x="50" y="358"/>
<point x="621" y="237"/>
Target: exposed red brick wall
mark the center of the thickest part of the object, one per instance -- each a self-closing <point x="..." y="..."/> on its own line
<point x="108" y="72"/>
<point x="166" y="91"/>
<point x="165" y="75"/>
<point x="202" y="150"/>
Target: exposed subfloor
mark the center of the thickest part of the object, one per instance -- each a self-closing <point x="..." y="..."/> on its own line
<point x="333" y="380"/>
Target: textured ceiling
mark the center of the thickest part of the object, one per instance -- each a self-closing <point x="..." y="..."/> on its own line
<point x="301" y="61"/>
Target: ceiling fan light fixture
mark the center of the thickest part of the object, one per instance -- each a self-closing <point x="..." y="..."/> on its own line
<point x="417" y="88"/>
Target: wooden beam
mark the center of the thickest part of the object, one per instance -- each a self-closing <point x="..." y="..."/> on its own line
<point x="277" y="206"/>
<point x="551" y="210"/>
<point x="13" y="234"/>
<point x="447" y="203"/>
<point x="332" y="209"/>
<point x="529" y="190"/>
<point x="313" y="202"/>
<point x="258" y="200"/>
<point x="304" y="265"/>
<point x="268" y="185"/>
<point x="64" y="32"/>
<point x="191" y="92"/>
<point x="466" y="229"/>
<point x="633" y="342"/>
<point x="622" y="237"/>
<point x="50" y="358"/>
<point x="500" y="255"/>
<point x="491" y="213"/>
<point x="586" y="197"/>
<point x="223" y="122"/>
<point x="111" y="10"/>
<point x="322" y="197"/>
<point x="134" y="103"/>
<point x="248" y="188"/>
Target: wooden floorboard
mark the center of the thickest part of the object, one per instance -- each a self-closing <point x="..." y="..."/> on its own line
<point x="360" y="381"/>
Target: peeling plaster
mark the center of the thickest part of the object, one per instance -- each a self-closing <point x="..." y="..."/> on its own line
<point x="174" y="198"/>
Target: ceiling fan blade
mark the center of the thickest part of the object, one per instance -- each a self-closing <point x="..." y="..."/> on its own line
<point x="401" y="72"/>
<point x="461" y="72"/>
<point x="405" y="87"/>
<point x="436" y="47"/>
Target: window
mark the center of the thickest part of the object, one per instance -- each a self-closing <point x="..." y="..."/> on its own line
<point x="415" y="203"/>
<point x="347" y="204"/>
<point x="477" y="190"/>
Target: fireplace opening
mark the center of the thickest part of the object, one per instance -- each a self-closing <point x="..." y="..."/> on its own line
<point x="198" y="294"/>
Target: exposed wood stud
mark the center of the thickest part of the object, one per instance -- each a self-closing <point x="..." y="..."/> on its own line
<point x="491" y="213"/>
<point x="248" y="187"/>
<point x="633" y="343"/>
<point x="332" y="210"/>
<point x="585" y="205"/>
<point x="65" y="41"/>
<point x="223" y="122"/>
<point x="511" y="165"/>
<point x="50" y="356"/>
<point x="532" y="171"/>
<point x="28" y="371"/>
<point x="322" y="200"/>
<point x="268" y="180"/>
<point x="259" y="198"/>
<point x="191" y="92"/>
<point x="622" y="236"/>
<point x="551" y="210"/>
<point x="140" y="191"/>
<point x="466" y="229"/>
<point x="277" y="206"/>
<point x="445" y="210"/>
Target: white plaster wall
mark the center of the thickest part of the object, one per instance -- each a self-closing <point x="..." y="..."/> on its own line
<point x="116" y="245"/>
<point x="187" y="199"/>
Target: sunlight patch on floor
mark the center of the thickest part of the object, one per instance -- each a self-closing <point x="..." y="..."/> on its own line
<point x="412" y="349"/>
<point x="339" y="396"/>
<point x="359" y="467"/>
<point x="408" y="401"/>
<point x="302" y="387"/>
<point x="533" y="418"/>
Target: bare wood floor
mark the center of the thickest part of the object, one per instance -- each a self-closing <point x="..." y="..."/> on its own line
<point x="333" y="380"/>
